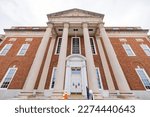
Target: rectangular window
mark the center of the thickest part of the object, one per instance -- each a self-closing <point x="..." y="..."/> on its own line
<point x="146" y="49"/>
<point x="75" y="45"/>
<point x="144" y="77"/>
<point x="59" y="40"/>
<point x="128" y="50"/>
<point x="23" y="49"/>
<point x="76" y="71"/>
<point x="92" y="45"/>
<point x="8" y="77"/>
<point x="99" y="79"/>
<point x="53" y="78"/>
<point x="5" y="49"/>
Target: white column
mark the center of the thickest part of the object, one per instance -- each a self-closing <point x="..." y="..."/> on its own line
<point x="68" y="79"/>
<point x="117" y="70"/>
<point x="109" y="80"/>
<point x="93" y="84"/>
<point x="35" y="68"/>
<point x="84" y="79"/>
<point x="60" y="73"/>
<point x="42" y="82"/>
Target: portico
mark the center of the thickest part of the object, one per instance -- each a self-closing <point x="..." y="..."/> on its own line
<point x="76" y="72"/>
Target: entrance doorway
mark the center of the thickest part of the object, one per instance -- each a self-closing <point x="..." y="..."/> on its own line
<point x="76" y="84"/>
<point x="76" y="75"/>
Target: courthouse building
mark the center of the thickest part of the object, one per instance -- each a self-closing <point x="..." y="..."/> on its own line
<point x="75" y="53"/>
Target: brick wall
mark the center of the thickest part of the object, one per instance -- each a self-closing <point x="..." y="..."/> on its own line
<point x="23" y="63"/>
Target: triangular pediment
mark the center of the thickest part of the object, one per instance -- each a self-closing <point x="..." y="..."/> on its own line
<point x="75" y="13"/>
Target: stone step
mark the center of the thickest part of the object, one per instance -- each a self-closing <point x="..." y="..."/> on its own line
<point x="76" y="97"/>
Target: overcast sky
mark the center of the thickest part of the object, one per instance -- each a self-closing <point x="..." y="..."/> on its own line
<point x="33" y="12"/>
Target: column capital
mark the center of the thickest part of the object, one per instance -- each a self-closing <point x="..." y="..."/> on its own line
<point x="85" y="25"/>
<point x="66" y="24"/>
<point x="101" y="25"/>
<point x="50" y="24"/>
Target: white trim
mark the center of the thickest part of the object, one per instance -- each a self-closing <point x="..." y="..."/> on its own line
<point x="123" y="39"/>
<point x="6" y="75"/>
<point x="29" y="39"/>
<point x="54" y="68"/>
<point x="94" y="46"/>
<point x="12" y="39"/>
<point x="72" y="45"/>
<point x="129" y="47"/>
<point x="100" y="78"/>
<point x="4" y="48"/>
<point x="58" y="38"/>
<point x="143" y="46"/>
<point x="136" y="69"/>
<point x="19" y="54"/>
<point x="139" y="40"/>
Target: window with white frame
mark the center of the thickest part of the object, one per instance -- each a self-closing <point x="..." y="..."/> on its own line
<point x="59" y="40"/>
<point x="5" y="49"/>
<point x="23" y="49"/>
<point x="146" y="49"/>
<point x="144" y="77"/>
<point x="128" y="50"/>
<point x="99" y="78"/>
<point x="53" y="78"/>
<point x="75" y="45"/>
<point x="8" y="77"/>
<point x="92" y="45"/>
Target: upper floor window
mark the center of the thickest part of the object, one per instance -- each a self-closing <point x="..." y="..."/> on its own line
<point x="59" y="40"/>
<point x="128" y="50"/>
<point x="23" y="49"/>
<point x="92" y="45"/>
<point x="144" y="77"/>
<point x="53" y="78"/>
<point x="8" y="77"/>
<point x="99" y="78"/>
<point x="146" y="49"/>
<point x="75" y="45"/>
<point x="5" y="49"/>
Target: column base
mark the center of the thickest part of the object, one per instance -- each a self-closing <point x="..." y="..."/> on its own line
<point x="98" y="96"/>
<point x="113" y="95"/>
<point x="40" y="96"/>
<point x="127" y="96"/>
<point x="26" y="95"/>
<point x="57" y="96"/>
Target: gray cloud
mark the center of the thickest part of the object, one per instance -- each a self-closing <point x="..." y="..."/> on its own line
<point x="33" y="12"/>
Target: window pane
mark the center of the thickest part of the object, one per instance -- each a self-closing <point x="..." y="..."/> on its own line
<point x="53" y="78"/>
<point x="146" y="49"/>
<point x="23" y="49"/>
<point x="8" y="76"/>
<point x="128" y="50"/>
<point x="75" y="71"/>
<point x="144" y="77"/>
<point x="92" y="45"/>
<point x="98" y="78"/>
<point x="5" y="49"/>
<point x="75" y="46"/>
<point x="59" y="45"/>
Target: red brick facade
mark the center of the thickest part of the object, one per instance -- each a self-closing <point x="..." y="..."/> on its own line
<point x="23" y="63"/>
